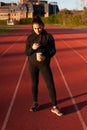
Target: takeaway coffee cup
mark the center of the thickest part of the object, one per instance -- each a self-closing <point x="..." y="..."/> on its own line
<point x="38" y="55"/>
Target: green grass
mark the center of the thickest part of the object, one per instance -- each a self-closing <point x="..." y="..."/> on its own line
<point x="5" y="29"/>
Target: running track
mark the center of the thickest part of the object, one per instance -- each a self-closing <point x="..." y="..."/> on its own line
<point x="69" y="67"/>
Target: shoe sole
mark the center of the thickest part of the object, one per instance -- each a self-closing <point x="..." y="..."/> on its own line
<point x="58" y="114"/>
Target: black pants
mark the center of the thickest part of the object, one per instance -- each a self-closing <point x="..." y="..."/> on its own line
<point x="45" y="70"/>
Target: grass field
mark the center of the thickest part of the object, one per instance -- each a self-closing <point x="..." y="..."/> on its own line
<point x="5" y="29"/>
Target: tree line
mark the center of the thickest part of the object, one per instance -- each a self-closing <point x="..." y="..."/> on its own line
<point x="65" y="17"/>
<point x="68" y="18"/>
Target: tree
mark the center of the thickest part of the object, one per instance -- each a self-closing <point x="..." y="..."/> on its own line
<point x="83" y="3"/>
<point x="64" y="15"/>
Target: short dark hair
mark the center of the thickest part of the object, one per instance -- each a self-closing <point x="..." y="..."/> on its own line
<point x="37" y="20"/>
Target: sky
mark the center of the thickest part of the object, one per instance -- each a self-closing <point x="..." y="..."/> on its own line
<point x="68" y="4"/>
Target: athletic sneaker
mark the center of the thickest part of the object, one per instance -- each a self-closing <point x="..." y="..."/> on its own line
<point x="56" y="111"/>
<point x="35" y="107"/>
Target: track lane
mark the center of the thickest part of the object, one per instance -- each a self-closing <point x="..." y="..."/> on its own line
<point x="11" y="63"/>
<point x="78" y="69"/>
<point x="21" y="118"/>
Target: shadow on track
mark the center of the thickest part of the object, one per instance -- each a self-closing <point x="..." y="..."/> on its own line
<point x="68" y="109"/>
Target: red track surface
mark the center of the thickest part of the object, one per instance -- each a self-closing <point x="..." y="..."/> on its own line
<point x="69" y="68"/>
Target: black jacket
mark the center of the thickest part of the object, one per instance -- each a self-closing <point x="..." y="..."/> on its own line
<point x="47" y="45"/>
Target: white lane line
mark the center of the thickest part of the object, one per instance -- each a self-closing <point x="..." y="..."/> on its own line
<point x="13" y="98"/>
<point x="71" y="95"/>
<point x="82" y="43"/>
<point x="12" y="45"/>
<point x="75" y="51"/>
<point x="78" y="41"/>
<point x="7" y="50"/>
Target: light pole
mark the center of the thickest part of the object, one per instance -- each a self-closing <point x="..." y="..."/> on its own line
<point x="55" y="3"/>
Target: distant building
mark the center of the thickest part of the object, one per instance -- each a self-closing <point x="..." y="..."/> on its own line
<point x="26" y="9"/>
<point x="53" y="8"/>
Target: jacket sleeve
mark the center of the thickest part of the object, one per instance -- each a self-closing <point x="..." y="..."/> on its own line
<point x="28" y="49"/>
<point x="52" y="49"/>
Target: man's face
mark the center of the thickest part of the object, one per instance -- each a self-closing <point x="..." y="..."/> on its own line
<point x="37" y="28"/>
